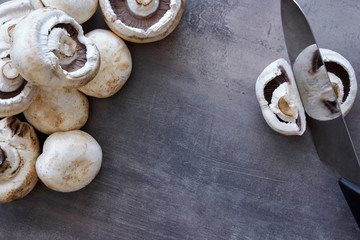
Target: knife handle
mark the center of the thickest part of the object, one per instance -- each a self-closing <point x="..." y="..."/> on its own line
<point x="351" y="193"/>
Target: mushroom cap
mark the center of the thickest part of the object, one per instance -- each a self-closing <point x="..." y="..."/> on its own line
<point x="10" y="13"/>
<point x="115" y="67"/>
<point x="127" y="20"/>
<point x="279" y="99"/>
<point x="49" y="49"/>
<point x="21" y="148"/>
<point x="70" y="161"/>
<point x="80" y="10"/>
<point x="16" y="94"/>
<point x="342" y="73"/>
<point x="55" y="110"/>
<point x="318" y="98"/>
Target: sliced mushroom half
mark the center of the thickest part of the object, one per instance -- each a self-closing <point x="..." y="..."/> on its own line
<point x="55" y="110"/>
<point x="342" y="76"/>
<point x="80" y="10"/>
<point x="49" y="48"/>
<point x="279" y="99"/>
<point x="313" y="84"/>
<point x="142" y="20"/>
<point x="16" y="94"/>
<point x="19" y="149"/>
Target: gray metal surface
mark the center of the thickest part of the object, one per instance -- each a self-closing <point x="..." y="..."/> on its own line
<point x="187" y="153"/>
<point x="331" y="137"/>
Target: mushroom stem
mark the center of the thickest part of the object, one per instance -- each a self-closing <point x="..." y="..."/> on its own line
<point x="143" y="8"/>
<point x="285" y="108"/>
<point x="9" y="72"/>
<point x="62" y="44"/>
<point x="336" y="89"/>
<point x="2" y="157"/>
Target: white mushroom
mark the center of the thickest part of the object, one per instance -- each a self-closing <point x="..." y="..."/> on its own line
<point x="80" y="10"/>
<point x="342" y="76"/>
<point x="115" y="67"/>
<point x="317" y="94"/>
<point x="19" y="149"/>
<point x="142" y="20"/>
<point x="70" y="161"/>
<point x="16" y="94"/>
<point x="279" y="99"/>
<point x="55" y="110"/>
<point x="10" y="14"/>
<point x="49" y="49"/>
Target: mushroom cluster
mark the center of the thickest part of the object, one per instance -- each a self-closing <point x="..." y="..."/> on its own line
<point x="279" y="98"/>
<point x="48" y="67"/>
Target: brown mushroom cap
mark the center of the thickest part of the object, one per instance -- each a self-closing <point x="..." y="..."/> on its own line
<point x="142" y="20"/>
<point x="19" y="148"/>
<point x="57" y="110"/>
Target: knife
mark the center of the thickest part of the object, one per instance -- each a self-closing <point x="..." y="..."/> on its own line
<point x="325" y="121"/>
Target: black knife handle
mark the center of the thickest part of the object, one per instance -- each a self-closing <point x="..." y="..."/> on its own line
<point x="352" y="195"/>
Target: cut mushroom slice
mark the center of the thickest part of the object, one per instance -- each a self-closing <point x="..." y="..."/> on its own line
<point x="19" y="149"/>
<point x="115" y="67"/>
<point x="16" y="94"/>
<point x="49" y="49"/>
<point x="70" y="161"/>
<point x="80" y="10"/>
<point x="319" y="99"/>
<point x="142" y="20"/>
<point x="279" y="99"/>
<point x="342" y="76"/>
<point x="57" y="110"/>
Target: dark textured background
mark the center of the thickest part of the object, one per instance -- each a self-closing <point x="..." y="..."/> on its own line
<point x="187" y="154"/>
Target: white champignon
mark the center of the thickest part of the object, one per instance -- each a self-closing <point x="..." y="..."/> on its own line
<point x="279" y="100"/>
<point x="80" y="10"/>
<point x="70" y="161"/>
<point x="115" y="67"/>
<point x="342" y="76"/>
<point x="16" y="94"/>
<point x="10" y="14"/>
<point x="142" y="20"/>
<point x="49" y="49"/>
<point x="319" y="98"/>
<point x="19" y="149"/>
<point x="55" y="110"/>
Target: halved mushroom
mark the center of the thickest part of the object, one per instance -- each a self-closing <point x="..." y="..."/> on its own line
<point x="318" y="98"/>
<point x="19" y="149"/>
<point x="70" y="161"/>
<point x="115" y="67"/>
<point x="80" y="10"/>
<point x="142" y="20"/>
<point x="49" y="49"/>
<point x="56" y="110"/>
<point x="279" y="99"/>
<point x="16" y="94"/>
<point x="342" y="76"/>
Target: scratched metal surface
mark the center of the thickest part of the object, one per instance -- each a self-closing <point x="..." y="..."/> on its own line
<point x="187" y="154"/>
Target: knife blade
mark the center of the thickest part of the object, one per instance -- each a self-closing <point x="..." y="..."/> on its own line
<point x="326" y="123"/>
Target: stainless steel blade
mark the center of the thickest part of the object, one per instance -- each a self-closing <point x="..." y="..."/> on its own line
<point x="331" y="137"/>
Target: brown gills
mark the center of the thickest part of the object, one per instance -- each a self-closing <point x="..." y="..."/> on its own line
<point x="316" y="61"/>
<point x="81" y="59"/>
<point x="275" y="83"/>
<point x="341" y="73"/>
<point x="8" y="95"/>
<point x="2" y="157"/>
<point x="124" y="14"/>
